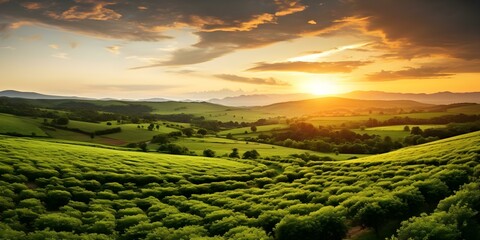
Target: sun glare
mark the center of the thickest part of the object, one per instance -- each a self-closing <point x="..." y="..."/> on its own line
<point x="322" y="87"/>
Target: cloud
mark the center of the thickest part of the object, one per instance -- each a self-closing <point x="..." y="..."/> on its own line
<point x="409" y="73"/>
<point x="259" y="81"/>
<point x="405" y="29"/>
<point x="54" y="46"/>
<point x="189" y="56"/>
<point x="8" y="48"/>
<point x="442" y="27"/>
<point x="133" y="87"/>
<point x="317" y="55"/>
<point x="61" y="55"/>
<point x="73" y="44"/>
<point x="115" y="49"/>
<point x="32" y="5"/>
<point x="311" y="67"/>
<point x="97" y="11"/>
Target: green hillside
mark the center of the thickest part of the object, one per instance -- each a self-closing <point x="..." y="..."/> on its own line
<point x="332" y="104"/>
<point x="61" y="190"/>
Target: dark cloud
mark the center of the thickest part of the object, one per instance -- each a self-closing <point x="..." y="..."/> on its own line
<point x="311" y="67"/>
<point x="419" y="28"/>
<point x="409" y="73"/>
<point x="426" y="27"/>
<point x="260" y="81"/>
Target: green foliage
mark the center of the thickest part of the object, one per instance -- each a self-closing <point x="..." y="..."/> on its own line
<point x="234" y="153"/>
<point x="208" y="153"/>
<point x="326" y="223"/>
<point x="252" y="154"/>
<point x="58" y="222"/>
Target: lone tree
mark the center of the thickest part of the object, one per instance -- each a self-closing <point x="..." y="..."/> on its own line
<point x="416" y="131"/>
<point x="202" y="131"/>
<point x="143" y="146"/>
<point x="188" y="132"/>
<point x="406" y="128"/>
<point x="208" y="153"/>
<point x="151" y="127"/>
<point x="234" y="153"/>
<point x="252" y="154"/>
<point x="253" y="128"/>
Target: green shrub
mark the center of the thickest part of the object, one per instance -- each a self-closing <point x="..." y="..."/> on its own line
<point x="58" y="222"/>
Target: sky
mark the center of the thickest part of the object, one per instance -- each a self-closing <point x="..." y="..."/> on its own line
<point x="205" y="49"/>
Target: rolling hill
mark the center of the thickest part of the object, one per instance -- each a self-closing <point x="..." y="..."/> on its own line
<point x="343" y="105"/>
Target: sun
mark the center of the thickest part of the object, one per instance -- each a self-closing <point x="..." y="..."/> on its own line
<point x="321" y="87"/>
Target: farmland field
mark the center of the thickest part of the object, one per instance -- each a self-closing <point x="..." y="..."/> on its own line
<point x="64" y="190"/>
<point x="19" y="125"/>
<point x="224" y="146"/>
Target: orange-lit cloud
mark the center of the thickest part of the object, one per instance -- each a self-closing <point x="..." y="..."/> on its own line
<point x="113" y="49"/>
<point x="311" y="67"/>
<point x="252" y="80"/>
<point x="409" y="73"/>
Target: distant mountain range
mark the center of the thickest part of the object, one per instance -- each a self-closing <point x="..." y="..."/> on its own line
<point x="260" y="99"/>
<point x="269" y="99"/>
<point x="337" y="105"/>
<point x="430" y="98"/>
<point x="34" y="95"/>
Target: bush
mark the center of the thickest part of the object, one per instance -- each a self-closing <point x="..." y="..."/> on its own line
<point x="57" y="198"/>
<point x="246" y="233"/>
<point x="58" y="222"/>
<point x="208" y="153"/>
<point x="325" y="223"/>
<point x="252" y="154"/>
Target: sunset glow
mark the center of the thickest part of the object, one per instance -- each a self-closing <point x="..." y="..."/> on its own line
<point x="204" y="49"/>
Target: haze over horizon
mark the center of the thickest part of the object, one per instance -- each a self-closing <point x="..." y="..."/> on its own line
<point x="215" y="49"/>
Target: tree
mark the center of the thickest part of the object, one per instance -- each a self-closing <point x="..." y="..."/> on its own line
<point x="60" y="121"/>
<point x="252" y="154"/>
<point x="406" y="128"/>
<point x="109" y="124"/>
<point x="253" y="128"/>
<point x="208" y="153"/>
<point x="234" y="153"/>
<point x="151" y="127"/>
<point x="143" y="146"/>
<point x="229" y="136"/>
<point x="188" y="132"/>
<point x="416" y="131"/>
<point x="157" y="127"/>
<point x="160" y="139"/>
<point x="202" y="131"/>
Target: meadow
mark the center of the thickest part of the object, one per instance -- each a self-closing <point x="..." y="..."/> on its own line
<point x="61" y="190"/>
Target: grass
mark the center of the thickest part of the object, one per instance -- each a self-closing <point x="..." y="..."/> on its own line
<point x="20" y="125"/>
<point x="61" y="155"/>
<point x="466" y="145"/>
<point x="265" y="128"/>
<point x="153" y="188"/>
<point x="224" y="146"/>
<point x="400" y="127"/>
<point x="396" y="132"/>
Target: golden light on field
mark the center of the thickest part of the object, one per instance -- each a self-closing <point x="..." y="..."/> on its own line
<point x="321" y="87"/>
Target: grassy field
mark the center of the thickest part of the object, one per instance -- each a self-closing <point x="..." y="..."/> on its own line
<point x="19" y="125"/>
<point x="265" y="128"/>
<point x="396" y="132"/>
<point x="223" y="147"/>
<point x="455" y="148"/>
<point x="60" y="190"/>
